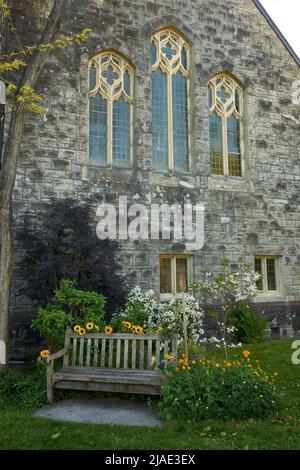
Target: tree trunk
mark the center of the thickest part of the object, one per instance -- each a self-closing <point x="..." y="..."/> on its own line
<point x="9" y="169"/>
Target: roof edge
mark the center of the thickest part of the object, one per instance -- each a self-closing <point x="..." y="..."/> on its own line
<point x="277" y="31"/>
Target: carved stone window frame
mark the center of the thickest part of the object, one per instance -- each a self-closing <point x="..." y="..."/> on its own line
<point x="111" y="92"/>
<point x="233" y="106"/>
<point x="171" y="67"/>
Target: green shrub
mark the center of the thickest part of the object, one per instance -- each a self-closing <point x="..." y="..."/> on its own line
<point x="207" y="390"/>
<point x="71" y="306"/>
<point x="51" y="322"/>
<point x="20" y="390"/>
<point x="249" y="326"/>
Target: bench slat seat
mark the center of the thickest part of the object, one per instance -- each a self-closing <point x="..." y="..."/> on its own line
<point x="123" y="363"/>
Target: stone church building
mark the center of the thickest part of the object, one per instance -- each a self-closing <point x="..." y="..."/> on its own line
<point x="174" y="101"/>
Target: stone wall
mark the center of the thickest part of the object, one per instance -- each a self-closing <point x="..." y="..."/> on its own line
<point x="256" y="214"/>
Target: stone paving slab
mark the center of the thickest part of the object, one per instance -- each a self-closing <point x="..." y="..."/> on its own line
<point x="101" y="411"/>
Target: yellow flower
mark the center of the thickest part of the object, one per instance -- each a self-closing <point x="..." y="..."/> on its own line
<point x="96" y="327"/>
<point x="108" y="330"/>
<point x="228" y="364"/>
<point x="44" y="354"/>
<point x="194" y="362"/>
<point x="139" y="330"/>
<point x="77" y="328"/>
<point x="159" y="329"/>
<point x="275" y="374"/>
<point x="89" y="326"/>
<point x="126" y="324"/>
<point x="82" y="331"/>
<point x="168" y="356"/>
<point x="246" y="354"/>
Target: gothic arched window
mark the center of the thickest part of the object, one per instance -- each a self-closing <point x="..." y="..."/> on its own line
<point x="110" y="109"/>
<point x="225" y="125"/>
<point x="170" y="101"/>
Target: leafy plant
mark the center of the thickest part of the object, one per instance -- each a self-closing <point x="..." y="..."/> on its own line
<point x="205" y="389"/>
<point x="71" y="305"/>
<point x="249" y="326"/>
<point x="222" y="293"/>
<point x="144" y="309"/>
<point x="23" y="390"/>
<point x="51" y="323"/>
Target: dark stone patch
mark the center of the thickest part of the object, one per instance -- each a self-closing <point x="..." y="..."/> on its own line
<point x="252" y="238"/>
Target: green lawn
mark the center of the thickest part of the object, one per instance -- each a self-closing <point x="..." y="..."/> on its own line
<point x="19" y="430"/>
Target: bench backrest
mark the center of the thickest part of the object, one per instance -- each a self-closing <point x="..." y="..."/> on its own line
<point x="118" y="350"/>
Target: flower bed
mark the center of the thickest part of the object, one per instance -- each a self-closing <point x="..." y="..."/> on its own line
<point x="204" y="389"/>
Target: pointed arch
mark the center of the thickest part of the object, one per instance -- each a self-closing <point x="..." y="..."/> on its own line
<point x="226" y="113"/>
<point x="111" y="93"/>
<point x="170" y="53"/>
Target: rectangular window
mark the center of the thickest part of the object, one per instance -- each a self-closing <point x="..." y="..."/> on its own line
<point x="269" y="268"/>
<point x="175" y="275"/>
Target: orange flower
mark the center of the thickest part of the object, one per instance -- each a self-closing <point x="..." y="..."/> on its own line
<point x="168" y="356"/>
<point x="177" y="369"/>
<point x="228" y="364"/>
<point x="108" y="330"/>
<point x="44" y="354"/>
<point x="246" y="354"/>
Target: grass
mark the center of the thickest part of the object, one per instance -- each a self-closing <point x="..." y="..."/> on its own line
<point x="20" y="430"/>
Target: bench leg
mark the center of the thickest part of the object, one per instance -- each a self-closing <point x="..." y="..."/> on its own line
<point x="49" y="385"/>
<point x="50" y="394"/>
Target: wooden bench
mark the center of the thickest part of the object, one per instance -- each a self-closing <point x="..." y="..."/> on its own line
<point x="123" y="363"/>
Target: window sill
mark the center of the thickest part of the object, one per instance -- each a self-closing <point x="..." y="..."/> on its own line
<point x="115" y="166"/>
<point x="261" y="298"/>
<point x="168" y="297"/>
<point x="170" y="179"/>
<point x="232" y="183"/>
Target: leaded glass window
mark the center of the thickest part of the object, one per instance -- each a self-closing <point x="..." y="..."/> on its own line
<point x="110" y="109"/>
<point x="269" y="268"/>
<point x="175" y="275"/>
<point x="225" y="125"/>
<point x="170" y="101"/>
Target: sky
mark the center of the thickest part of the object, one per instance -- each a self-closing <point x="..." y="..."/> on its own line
<point x="286" y="15"/>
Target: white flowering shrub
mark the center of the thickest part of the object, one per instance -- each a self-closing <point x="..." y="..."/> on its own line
<point x="169" y="318"/>
<point x="138" y="307"/>
<point x="144" y="309"/>
<point x="223" y="292"/>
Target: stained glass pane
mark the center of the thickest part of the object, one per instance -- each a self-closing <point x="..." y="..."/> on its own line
<point x="180" y="122"/>
<point x="92" y="78"/>
<point x="210" y="97"/>
<point x="98" y="131"/>
<point x="153" y="53"/>
<point x="159" y="120"/>
<point x="184" y="58"/>
<point x="234" y="150"/>
<point x="121" y="130"/>
<point x="127" y="83"/>
<point x="216" y="154"/>
<point x="165" y="276"/>
<point x="271" y="274"/>
<point x="258" y="269"/>
<point x="181" y="275"/>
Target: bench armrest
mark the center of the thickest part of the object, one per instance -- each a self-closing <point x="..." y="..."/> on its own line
<point x="57" y="355"/>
